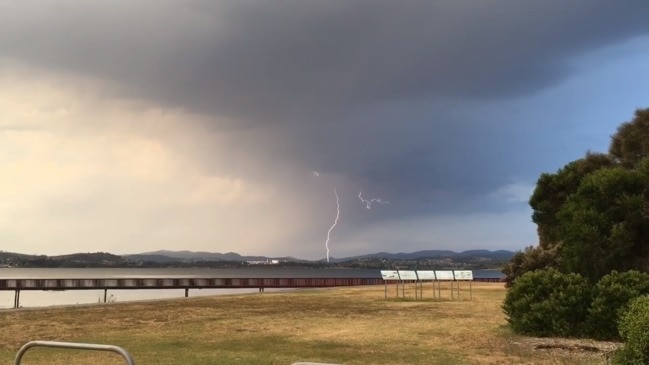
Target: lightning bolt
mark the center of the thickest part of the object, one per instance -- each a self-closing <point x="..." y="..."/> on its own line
<point x="333" y="225"/>
<point x="368" y="203"/>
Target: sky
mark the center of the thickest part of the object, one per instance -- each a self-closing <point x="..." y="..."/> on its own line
<point x="227" y="125"/>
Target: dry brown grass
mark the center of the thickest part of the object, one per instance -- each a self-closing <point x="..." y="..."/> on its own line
<point x="343" y="325"/>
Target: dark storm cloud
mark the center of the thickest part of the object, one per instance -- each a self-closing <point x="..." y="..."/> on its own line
<point x="340" y="83"/>
<point x="285" y="59"/>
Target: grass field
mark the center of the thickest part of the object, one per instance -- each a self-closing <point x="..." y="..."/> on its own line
<point x="342" y="325"/>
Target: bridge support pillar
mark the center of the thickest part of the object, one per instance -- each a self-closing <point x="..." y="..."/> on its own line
<point x="17" y="299"/>
<point x="105" y="295"/>
<point x="186" y="292"/>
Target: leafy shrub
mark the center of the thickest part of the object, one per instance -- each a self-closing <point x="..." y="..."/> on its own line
<point x="634" y="329"/>
<point x="611" y="296"/>
<point x="548" y="303"/>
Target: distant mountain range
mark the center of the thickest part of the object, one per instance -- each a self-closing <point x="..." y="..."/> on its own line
<point x="169" y="256"/>
<point x="500" y="254"/>
<point x="164" y="258"/>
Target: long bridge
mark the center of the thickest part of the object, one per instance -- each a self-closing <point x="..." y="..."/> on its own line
<point x="187" y="283"/>
<point x="105" y="284"/>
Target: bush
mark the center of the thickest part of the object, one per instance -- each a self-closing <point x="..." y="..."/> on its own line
<point x="634" y="329"/>
<point x="548" y="303"/>
<point x="611" y="297"/>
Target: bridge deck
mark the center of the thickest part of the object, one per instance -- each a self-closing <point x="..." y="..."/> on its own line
<point x="181" y="283"/>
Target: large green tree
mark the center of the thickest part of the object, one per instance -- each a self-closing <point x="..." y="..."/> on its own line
<point x="592" y="214"/>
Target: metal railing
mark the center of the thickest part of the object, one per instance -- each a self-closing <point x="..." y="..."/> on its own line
<point x="74" y="346"/>
<point x="97" y="347"/>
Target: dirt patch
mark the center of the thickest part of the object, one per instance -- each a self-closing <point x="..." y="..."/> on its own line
<point x="567" y="348"/>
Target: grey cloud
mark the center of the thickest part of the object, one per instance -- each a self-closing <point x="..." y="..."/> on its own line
<point x="365" y="89"/>
<point x="282" y="60"/>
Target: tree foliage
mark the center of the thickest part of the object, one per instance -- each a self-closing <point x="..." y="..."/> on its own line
<point x="553" y="190"/>
<point x="532" y="258"/>
<point x="631" y="142"/>
<point x="603" y="224"/>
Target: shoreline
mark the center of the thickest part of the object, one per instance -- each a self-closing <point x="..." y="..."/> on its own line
<point x="180" y="296"/>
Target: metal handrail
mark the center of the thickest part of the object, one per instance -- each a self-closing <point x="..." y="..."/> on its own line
<point x="73" y="345"/>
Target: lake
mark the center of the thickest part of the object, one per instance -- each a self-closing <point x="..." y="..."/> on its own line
<point x="39" y="298"/>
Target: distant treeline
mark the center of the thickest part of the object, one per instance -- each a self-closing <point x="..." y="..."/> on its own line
<point x="107" y="260"/>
